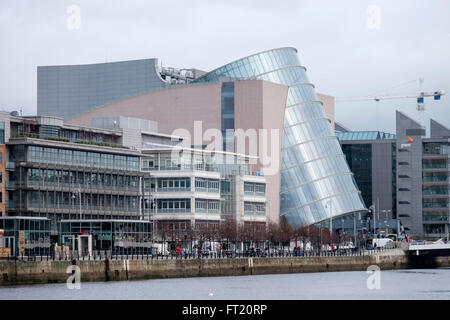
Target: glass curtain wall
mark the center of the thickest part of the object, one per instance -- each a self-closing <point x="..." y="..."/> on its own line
<point x="316" y="182"/>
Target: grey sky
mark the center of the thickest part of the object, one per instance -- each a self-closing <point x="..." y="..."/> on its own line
<point x="344" y="57"/>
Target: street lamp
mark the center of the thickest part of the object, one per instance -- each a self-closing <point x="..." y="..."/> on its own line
<point x="386" y="214"/>
<point x="331" y="220"/>
<point x="372" y="209"/>
<point x="78" y="193"/>
<point x="270" y="243"/>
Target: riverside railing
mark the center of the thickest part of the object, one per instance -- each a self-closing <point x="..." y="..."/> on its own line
<point x="99" y="255"/>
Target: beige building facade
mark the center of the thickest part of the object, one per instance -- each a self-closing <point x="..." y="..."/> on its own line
<point x="259" y="108"/>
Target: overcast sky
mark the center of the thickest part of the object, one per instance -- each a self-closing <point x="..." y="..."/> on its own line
<point x="347" y="51"/>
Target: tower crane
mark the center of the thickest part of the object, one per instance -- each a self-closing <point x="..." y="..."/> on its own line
<point x="418" y="96"/>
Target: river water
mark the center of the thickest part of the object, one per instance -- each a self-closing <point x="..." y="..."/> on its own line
<point x="398" y="284"/>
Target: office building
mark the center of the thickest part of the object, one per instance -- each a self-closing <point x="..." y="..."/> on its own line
<point x="371" y="156"/>
<point x="404" y="176"/>
<point x="423" y="177"/>
<point x="101" y="189"/>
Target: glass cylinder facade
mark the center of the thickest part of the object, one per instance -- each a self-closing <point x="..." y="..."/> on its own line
<point x="316" y="182"/>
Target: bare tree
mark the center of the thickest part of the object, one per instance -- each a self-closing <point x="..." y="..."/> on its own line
<point x="228" y="232"/>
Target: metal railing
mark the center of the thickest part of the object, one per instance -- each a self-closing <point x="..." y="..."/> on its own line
<point x="98" y="255"/>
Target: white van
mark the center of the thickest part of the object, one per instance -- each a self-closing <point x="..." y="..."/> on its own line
<point x="381" y="242"/>
<point x="157" y="248"/>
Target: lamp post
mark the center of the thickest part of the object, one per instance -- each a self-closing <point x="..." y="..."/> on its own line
<point x="270" y="243"/>
<point x="386" y="215"/>
<point x="372" y="208"/>
<point x="331" y="221"/>
<point x="78" y="193"/>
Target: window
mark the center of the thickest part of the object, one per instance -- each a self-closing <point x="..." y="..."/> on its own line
<point x="176" y="184"/>
<point x="213" y="186"/>
<point x="434" y="163"/>
<point x="213" y="206"/>
<point x="254" y="188"/>
<point x="2" y="132"/>
<point x="107" y="161"/>
<point x="133" y="163"/>
<point x="258" y="208"/>
<point x="435" y="203"/>
<point x="200" y="184"/>
<point x="50" y="155"/>
<point x="435" y="190"/>
<point x="93" y="159"/>
<point x="173" y="205"/>
<point x="435" y="148"/>
<point x="260" y="188"/>
<point x="80" y="158"/>
<point x="35" y="154"/>
<point x="120" y="162"/>
<point x="434" y="228"/>
<point x="201" y="205"/>
<point x="66" y="156"/>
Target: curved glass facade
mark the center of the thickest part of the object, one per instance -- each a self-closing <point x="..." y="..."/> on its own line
<point x="316" y="182"/>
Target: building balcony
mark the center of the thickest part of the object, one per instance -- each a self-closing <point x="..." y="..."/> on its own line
<point x="184" y="167"/>
<point x="435" y="196"/>
<point x="69" y="187"/>
<point x="434" y="205"/>
<point x="431" y="219"/>
<point x="254" y="217"/>
<point x="435" y="169"/>
<point x="69" y="140"/>
<point x="431" y="180"/>
<point x="173" y="210"/>
<point x="173" y="190"/>
<point x="256" y="213"/>
<point x="257" y="194"/>
<point x="74" y="208"/>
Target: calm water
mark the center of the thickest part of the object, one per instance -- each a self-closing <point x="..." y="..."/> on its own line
<point x="400" y="284"/>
